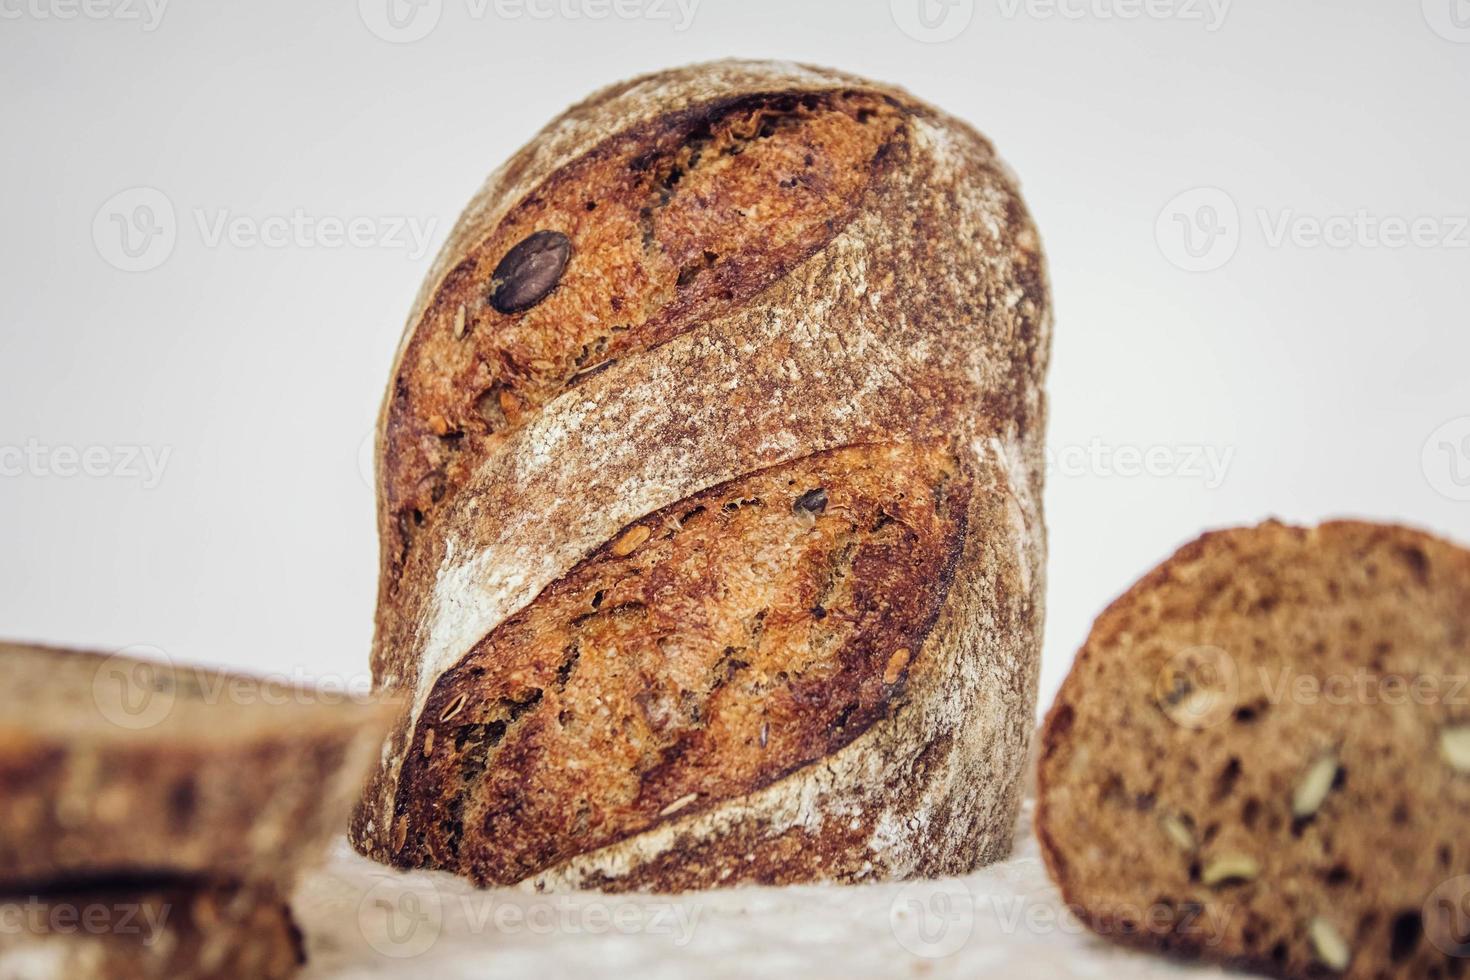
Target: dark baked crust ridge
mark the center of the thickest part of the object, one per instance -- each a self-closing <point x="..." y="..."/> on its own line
<point x="1345" y="600"/>
<point x="772" y="620"/>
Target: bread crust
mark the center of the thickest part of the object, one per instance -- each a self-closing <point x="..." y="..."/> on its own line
<point x="228" y="776"/>
<point x="924" y="317"/>
<point x="1193" y="574"/>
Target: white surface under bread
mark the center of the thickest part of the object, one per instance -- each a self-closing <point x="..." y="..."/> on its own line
<point x="363" y="920"/>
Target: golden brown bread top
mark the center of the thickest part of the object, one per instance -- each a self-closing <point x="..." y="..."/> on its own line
<point x="668" y="223"/>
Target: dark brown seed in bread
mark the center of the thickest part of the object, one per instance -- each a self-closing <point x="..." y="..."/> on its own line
<point x="1253" y="759"/>
<point x="139" y="929"/>
<point x="708" y="650"/>
<point x="111" y="764"/>
<point x="529" y="271"/>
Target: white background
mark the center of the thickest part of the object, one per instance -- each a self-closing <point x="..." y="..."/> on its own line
<point x="1320" y="372"/>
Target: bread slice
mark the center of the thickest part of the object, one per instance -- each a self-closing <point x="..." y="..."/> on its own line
<point x="1262" y="756"/>
<point x="115" y="765"/>
<point x="119" y="929"/>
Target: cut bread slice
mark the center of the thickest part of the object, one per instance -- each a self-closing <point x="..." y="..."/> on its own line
<point x="1262" y="756"/>
<point x="148" y="930"/>
<point x="116" y="765"/>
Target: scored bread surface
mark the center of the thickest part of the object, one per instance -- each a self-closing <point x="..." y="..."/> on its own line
<point x="723" y="561"/>
<point x="1262" y="756"/>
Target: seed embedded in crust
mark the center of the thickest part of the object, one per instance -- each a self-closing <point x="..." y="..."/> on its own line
<point x="1230" y="868"/>
<point x="811" y="503"/>
<point x="428" y="743"/>
<point x="453" y="708"/>
<point x="1177" y="830"/>
<point x="1314" y="786"/>
<point x="678" y="804"/>
<point x="529" y="271"/>
<point x="461" y="321"/>
<point x="1331" y="949"/>
<point x="631" y="539"/>
<point x="896" y="664"/>
<point x="1454" y="745"/>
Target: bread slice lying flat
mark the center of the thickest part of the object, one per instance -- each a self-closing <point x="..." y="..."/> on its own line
<point x="1262" y="756"/>
<point x="141" y="930"/>
<point x="111" y="765"/>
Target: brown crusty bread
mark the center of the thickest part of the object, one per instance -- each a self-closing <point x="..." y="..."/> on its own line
<point x="114" y="765"/>
<point x="1262" y="756"/>
<point x="710" y="498"/>
<point x="123" y="929"/>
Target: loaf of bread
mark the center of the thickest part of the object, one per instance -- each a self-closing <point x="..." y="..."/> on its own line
<point x="121" y="929"/>
<point x="1262" y="756"/>
<point x="710" y="498"/>
<point x="111" y="765"/>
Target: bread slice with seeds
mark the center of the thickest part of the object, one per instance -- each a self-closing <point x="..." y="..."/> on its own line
<point x="141" y="929"/>
<point x="1262" y="756"/>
